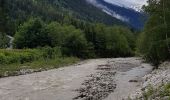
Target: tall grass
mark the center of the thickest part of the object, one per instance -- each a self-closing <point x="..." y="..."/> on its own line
<point x="13" y="62"/>
<point x="28" y="55"/>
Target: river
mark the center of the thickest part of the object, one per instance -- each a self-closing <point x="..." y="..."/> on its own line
<point x="94" y="79"/>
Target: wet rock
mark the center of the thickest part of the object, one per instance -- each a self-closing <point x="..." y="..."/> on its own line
<point x="25" y="71"/>
<point x="133" y="80"/>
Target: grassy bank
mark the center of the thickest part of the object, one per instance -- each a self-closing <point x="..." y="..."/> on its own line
<point x="20" y="62"/>
<point x="28" y="55"/>
<point x="161" y="93"/>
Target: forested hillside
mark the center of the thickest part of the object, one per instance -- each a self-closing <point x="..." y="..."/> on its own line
<point x="62" y="11"/>
<point x="35" y="22"/>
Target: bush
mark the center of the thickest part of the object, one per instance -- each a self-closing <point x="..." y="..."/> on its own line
<point x="154" y="47"/>
<point x="160" y="93"/>
<point x="28" y="55"/>
<point x="4" y="40"/>
<point x="158" y="52"/>
<point x="75" y="43"/>
<point x="112" y="41"/>
<point x="71" y="40"/>
<point x="105" y="42"/>
<point x="31" y="35"/>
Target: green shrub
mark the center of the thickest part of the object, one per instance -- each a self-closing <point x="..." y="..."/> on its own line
<point x="4" y="40"/>
<point x="160" y="93"/>
<point x="32" y="34"/>
<point x="154" y="42"/>
<point x="28" y="55"/>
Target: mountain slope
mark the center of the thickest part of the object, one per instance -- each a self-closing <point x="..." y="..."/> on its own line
<point x="132" y="17"/>
<point x="20" y="10"/>
<point x="132" y="4"/>
<point x="86" y="11"/>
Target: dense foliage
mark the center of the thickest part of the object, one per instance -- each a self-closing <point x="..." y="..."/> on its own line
<point x="26" y="61"/>
<point x="110" y="41"/>
<point x="28" y="55"/>
<point x="96" y="40"/>
<point x="4" y="41"/>
<point x="31" y="35"/>
<point x="154" y="42"/>
<point x="3" y="18"/>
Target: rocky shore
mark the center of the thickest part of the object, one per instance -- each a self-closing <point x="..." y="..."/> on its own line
<point x="154" y="82"/>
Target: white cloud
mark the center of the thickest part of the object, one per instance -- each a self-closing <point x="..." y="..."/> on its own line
<point x="114" y="14"/>
<point x="134" y="4"/>
<point x="108" y="11"/>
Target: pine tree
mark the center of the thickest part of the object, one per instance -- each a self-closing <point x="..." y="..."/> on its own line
<point x="2" y="16"/>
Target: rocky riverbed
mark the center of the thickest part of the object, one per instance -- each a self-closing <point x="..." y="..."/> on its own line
<point x="99" y="85"/>
<point x="96" y="79"/>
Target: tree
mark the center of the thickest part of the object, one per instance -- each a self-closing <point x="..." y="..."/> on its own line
<point x="3" y="25"/>
<point x="111" y="41"/>
<point x="71" y="40"/>
<point x="117" y="42"/>
<point x="154" y="42"/>
<point x="75" y="43"/>
<point x="100" y="39"/>
<point x="32" y="34"/>
<point x="4" y="41"/>
<point x="57" y="33"/>
<point x="2" y="16"/>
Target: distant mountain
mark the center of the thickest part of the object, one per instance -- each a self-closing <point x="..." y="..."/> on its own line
<point x="86" y="11"/>
<point x="79" y="9"/>
<point x="95" y="11"/>
<point x="132" y="4"/>
<point x="129" y="14"/>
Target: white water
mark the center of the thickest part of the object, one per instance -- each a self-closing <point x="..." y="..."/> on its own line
<point x="10" y="42"/>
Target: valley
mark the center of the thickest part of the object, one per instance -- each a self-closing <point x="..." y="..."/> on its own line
<point x="84" y="50"/>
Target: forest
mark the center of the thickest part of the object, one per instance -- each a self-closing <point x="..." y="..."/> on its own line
<point x="57" y="29"/>
<point x="154" y="41"/>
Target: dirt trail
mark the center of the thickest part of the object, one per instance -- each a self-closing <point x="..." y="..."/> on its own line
<point x="107" y="78"/>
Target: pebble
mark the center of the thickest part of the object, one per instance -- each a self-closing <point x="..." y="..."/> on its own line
<point x="99" y="85"/>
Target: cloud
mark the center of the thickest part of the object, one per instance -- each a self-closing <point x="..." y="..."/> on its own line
<point x="114" y="14"/>
<point x="134" y="4"/>
<point x="108" y="11"/>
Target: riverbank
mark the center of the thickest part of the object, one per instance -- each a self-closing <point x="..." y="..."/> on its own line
<point x="26" y="61"/>
<point x="156" y="85"/>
